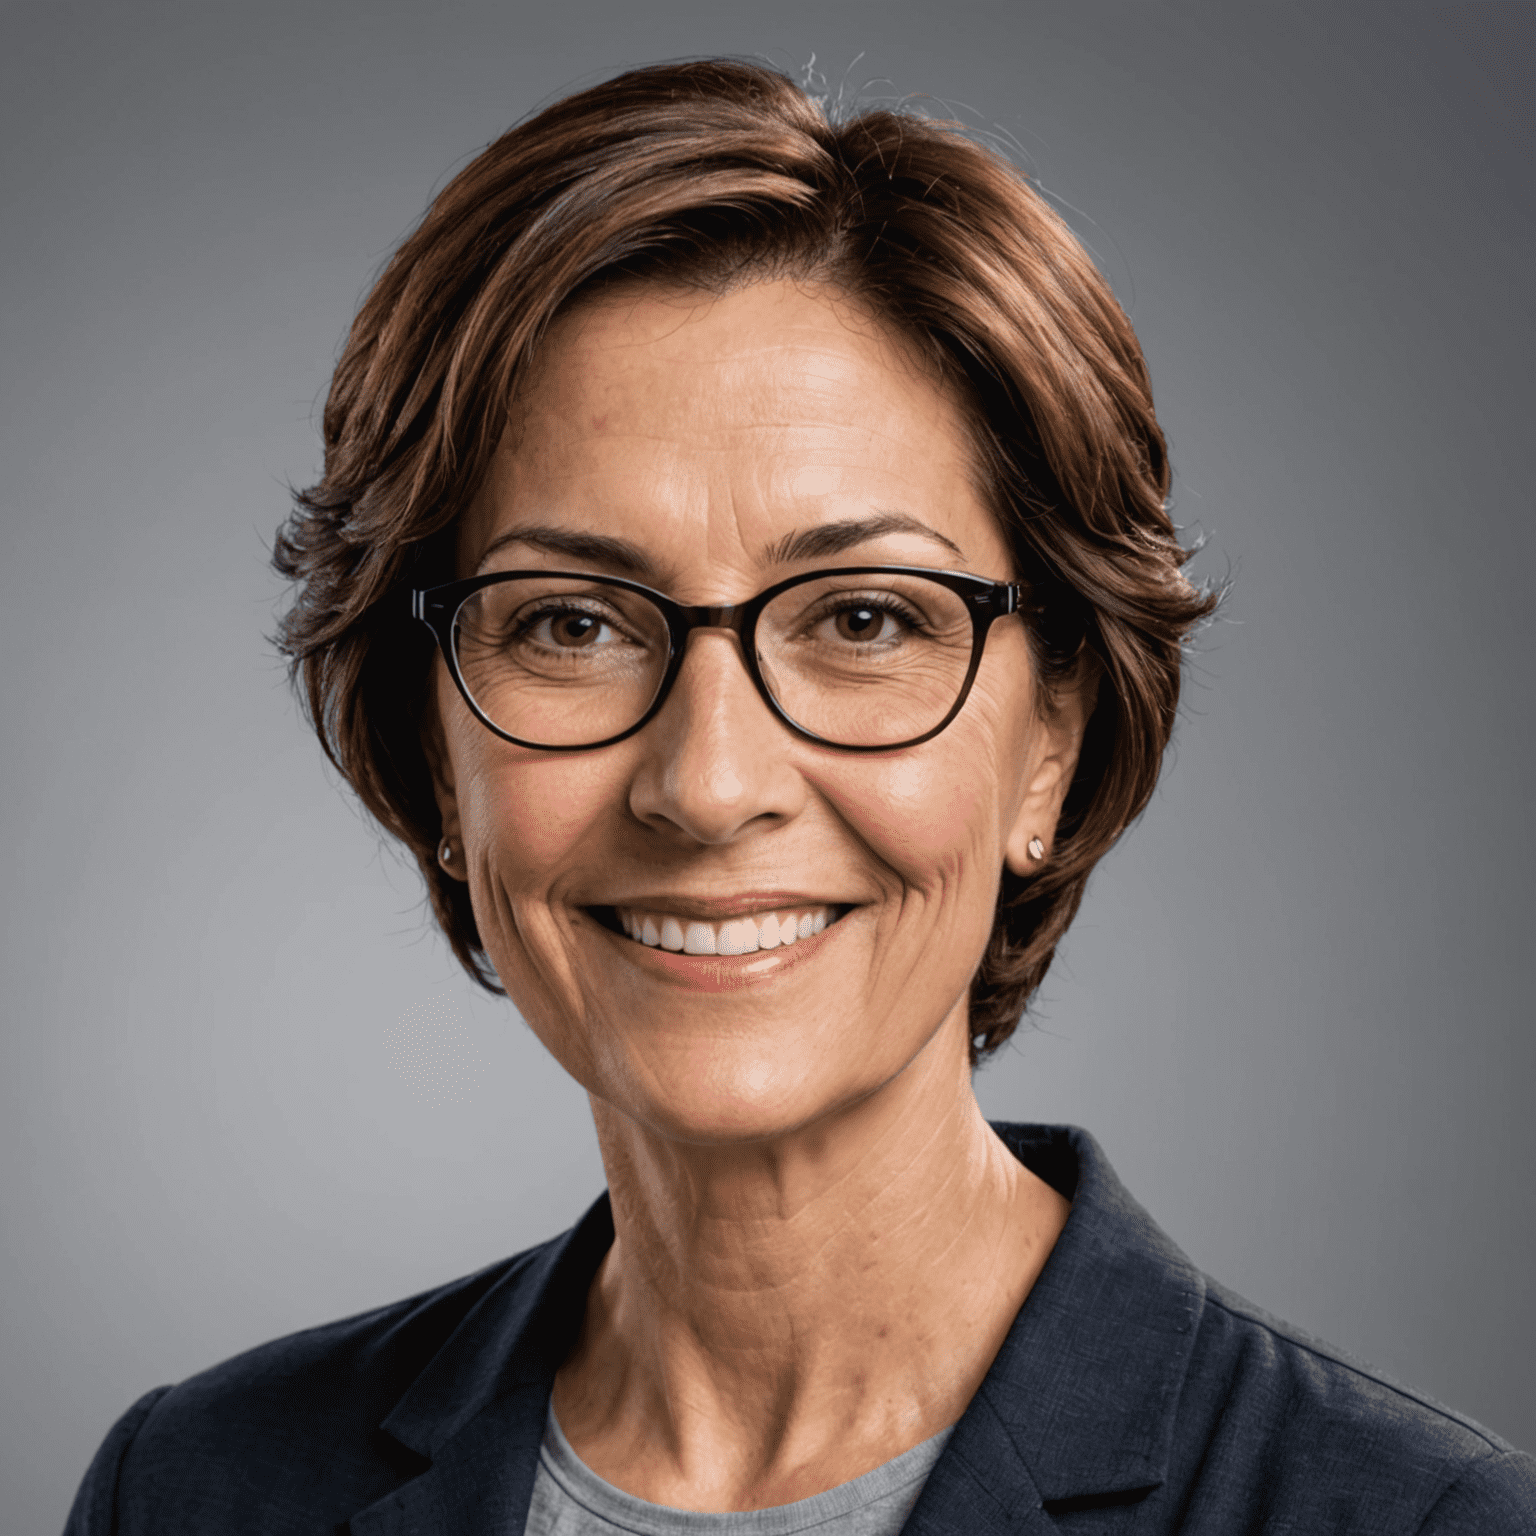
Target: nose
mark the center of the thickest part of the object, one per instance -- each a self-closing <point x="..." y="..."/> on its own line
<point x="716" y="762"/>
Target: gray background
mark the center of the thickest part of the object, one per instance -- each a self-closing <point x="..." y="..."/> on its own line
<point x="244" y="1088"/>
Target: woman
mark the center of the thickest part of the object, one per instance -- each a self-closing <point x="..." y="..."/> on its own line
<point x="741" y="576"/>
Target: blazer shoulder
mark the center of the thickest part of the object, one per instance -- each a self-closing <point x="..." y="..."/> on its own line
<point x="301" y="1411"/>
<point x="1335" y="1443"/>
<point x="1496" y="1496"/>
<point x="94" y="1512"/>
<point x="364" y="1361"/>
<point x="1338" y="1385"/>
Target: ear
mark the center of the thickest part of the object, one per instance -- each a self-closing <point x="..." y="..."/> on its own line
<point x="1061" y="719"/>
<point x="434" y="746"/>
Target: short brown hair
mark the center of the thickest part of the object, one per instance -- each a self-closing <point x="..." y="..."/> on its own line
<point x="710" y="173"/>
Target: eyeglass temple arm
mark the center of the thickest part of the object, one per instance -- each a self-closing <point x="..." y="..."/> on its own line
<point x="999" y="599"/>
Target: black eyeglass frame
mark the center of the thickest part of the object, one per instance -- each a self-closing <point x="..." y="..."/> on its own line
<point x="438" y="608"/>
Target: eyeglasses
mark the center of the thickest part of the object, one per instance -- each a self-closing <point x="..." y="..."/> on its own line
<point x="866" y="658"/>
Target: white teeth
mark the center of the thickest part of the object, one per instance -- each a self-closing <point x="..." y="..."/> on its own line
<point x="738" y="936"/>
<point x="700" y="940"/>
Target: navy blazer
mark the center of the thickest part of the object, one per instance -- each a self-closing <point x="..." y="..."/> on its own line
<point x="1132" y="1394"/>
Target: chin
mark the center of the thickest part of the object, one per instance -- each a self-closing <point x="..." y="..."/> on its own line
<point x="741" y="1097"/>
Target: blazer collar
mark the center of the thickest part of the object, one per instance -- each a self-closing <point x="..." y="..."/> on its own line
<point x="477" y="1411"/>
<point x="1077" y="1409"/>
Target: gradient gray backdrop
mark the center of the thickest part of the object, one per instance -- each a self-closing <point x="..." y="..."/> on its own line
<point x="244" y="1087"/>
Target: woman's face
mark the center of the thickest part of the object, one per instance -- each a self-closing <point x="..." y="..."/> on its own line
<point x="699" y="437"/>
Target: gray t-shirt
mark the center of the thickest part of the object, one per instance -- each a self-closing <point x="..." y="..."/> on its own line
<point x="569" y="1499"/>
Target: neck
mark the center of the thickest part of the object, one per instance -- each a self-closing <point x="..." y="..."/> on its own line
<point x="778" y="1317"/>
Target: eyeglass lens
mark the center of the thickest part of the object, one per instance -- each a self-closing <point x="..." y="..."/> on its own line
<point x="858" y="660"/>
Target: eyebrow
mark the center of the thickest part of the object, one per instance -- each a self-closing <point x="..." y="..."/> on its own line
<point x="835" y="538"/>
<point x="594" y="548"/>
<point x="818" y="543"/>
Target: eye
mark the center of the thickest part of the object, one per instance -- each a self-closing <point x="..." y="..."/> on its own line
<point x="866" y="621"/>
<point x="862" y="623"/>
<point x="565" y="627"/>
<point x="571" y="629"/>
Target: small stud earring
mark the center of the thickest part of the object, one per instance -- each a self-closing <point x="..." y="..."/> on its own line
<point x="445" y="853"/>
<point x="1036" y="848"/>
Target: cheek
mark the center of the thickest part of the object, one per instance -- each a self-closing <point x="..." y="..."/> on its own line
<point x="932" y="815"/>
<point x="920" y="808"/>
<point x="526" y="813"/>
<point x="940" y="813"/>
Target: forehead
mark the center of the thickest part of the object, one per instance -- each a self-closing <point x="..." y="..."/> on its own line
<point x="718" y="426"/>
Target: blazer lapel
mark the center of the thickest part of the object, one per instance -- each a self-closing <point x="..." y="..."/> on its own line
<point x="979" y="1486"/>
<point x="480" y="1480"/>
<point x="1078" y="1410"/>
<point x="476" y="1413"/>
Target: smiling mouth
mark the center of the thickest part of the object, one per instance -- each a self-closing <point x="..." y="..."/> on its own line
<point x="746" y="935"/>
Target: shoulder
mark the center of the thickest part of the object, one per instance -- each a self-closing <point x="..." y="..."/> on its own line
<point x="297" y="1419"/>
<point x="1164" y="1390"/>
<point x="1327" y="1442"/>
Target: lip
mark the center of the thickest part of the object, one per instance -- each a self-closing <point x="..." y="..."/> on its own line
<point x="718" y="909"/>
<point x="723" y="973"/>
